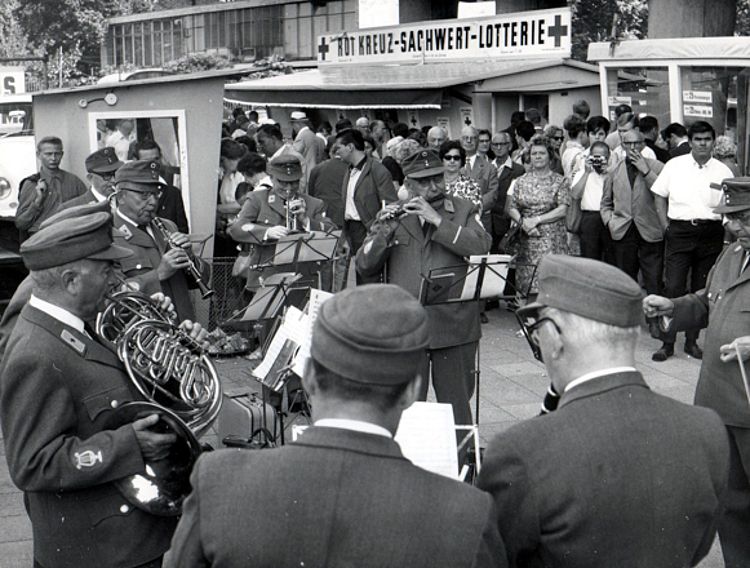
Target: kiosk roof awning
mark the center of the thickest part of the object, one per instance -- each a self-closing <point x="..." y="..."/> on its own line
<point x="646" y="50"/>
<point x="383" y="86"/>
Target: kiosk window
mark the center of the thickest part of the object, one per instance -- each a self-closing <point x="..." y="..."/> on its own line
<point x="645" y="89"/>
<point x="710" y="94"/>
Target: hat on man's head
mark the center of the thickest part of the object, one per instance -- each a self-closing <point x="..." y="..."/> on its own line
<point x="139" y="175"/>
<point x="736" y="195"/>
<point x="285" y="168"/>
<point x="72" y="239"/>
<point x="104" y="161"/>
<point x="298" y="115"/>
<point x="372" y="334"/>
<point x="590" y="289"/>
<point x="422" y="164"/>
<point x="362" y="122"/>
<point x="78" y="211"/>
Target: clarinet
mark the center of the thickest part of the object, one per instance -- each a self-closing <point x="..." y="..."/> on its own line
<point x="192" y="270"/>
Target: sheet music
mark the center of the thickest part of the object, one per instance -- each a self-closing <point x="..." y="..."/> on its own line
<point x="493" y="283"/>
<point x="317" y="297"/>
<point x="293" y="328"/>
<point x="427" y="436"/>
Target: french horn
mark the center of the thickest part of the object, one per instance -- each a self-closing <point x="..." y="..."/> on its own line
<point x="178" y="381"/>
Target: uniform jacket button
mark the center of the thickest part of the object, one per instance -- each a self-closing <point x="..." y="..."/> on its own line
<point x="138" y="266"/>
<point x="114" y="404"/>
<point x="124" y="509"/>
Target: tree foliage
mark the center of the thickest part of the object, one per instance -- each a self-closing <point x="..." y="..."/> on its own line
<point x="593" y="19"/>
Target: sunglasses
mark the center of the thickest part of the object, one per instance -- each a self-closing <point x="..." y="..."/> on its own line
<point x="530" y="322"/>
<point x="452" y="157"/>
<point x="560" y="138"/>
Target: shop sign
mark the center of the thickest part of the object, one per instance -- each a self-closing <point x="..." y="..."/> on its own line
<point x="697" y="97"/>
<point x="539" y="33"/>
<point x="700" y="111"/>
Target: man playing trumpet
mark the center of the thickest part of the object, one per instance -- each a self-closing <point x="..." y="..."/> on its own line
<point x="58" y="387"/>
<point x="722" y="306"/>
<point x="160" y="262"/>
<point x="272" y="214"/>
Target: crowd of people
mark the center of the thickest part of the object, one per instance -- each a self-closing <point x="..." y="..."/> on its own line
<point x="593" y="213"/>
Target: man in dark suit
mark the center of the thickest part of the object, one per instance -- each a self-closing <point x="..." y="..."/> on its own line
<point x="436" y="232"/>
<point x="58" y="388"/>
<point x="722" y="307"/>
<point x="507" y="171"/>
<point x="649" y="126"/>
<point x="479" y="168"/>
<point x="156" y="265"/>
<point x="676" y="135"/>
<point x="101" y="167"/>
<point x="170" y="204"/>
<point x="326" y="180"/>
<point x="342" y="494"/>
<point x="635" y="216"/>
<point x="617" y="475"/>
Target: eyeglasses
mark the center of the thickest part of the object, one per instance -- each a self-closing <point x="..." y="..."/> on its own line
<point x="452" y="157"/>
<point x="739" y="217"/>
<point x="530" y="323"/>
<point x="145" y="195"/>
<point x="560" y="138"/>
<point x="501" y="143"/>
<point x="483" y="141"/>
<point x="633" y="144"/>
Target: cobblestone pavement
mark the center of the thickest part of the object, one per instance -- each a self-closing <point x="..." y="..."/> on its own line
<point x="512" y="386"/>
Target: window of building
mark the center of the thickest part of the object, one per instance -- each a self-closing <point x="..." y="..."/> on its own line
<point x="644" y="89"/>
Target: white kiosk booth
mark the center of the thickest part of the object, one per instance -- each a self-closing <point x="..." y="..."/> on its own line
<point x="680" y="80"/>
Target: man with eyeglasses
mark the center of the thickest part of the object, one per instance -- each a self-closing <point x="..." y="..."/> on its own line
<point x="478" y="166"/>
<point x="618" y="475"/>
<point x="156" y="265"/>
<point x="695" y="234"/>
<point x="721" y="307"/>
<point x="411" y="238"/>
<point x="101" y="167"/>
<point x="507" y="171"/>
<point x="40" y="195"/>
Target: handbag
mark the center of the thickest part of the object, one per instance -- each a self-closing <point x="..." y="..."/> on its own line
<point x="573" y="216"/>
<point x="509" y="243"/>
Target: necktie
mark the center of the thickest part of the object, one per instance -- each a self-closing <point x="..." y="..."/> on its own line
<point x="744" y="263"/>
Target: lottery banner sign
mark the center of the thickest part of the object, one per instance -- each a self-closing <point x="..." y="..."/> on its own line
<point x="541" y="33"/>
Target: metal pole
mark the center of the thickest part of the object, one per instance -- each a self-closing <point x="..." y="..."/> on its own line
<point x="59" y="67"/>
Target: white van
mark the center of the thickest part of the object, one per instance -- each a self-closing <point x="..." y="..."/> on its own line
<point x="17" y="151"/>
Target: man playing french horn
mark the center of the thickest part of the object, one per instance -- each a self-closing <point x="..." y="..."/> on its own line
<point x="59" y="387"/>
<point x="161" y="261"/>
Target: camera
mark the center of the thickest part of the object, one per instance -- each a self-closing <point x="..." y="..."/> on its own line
<point x="598" y="161"/>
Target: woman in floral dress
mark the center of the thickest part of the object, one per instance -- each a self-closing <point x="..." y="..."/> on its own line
<point x="538" y="201"/>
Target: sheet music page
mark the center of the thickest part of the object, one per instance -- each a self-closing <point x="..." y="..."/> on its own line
<point x="294" y="328"/>
<point x="319" y="247"/>
<point x="317" y="297"/>
<point x="495" y="273"/>
<point x="427" y="436"/>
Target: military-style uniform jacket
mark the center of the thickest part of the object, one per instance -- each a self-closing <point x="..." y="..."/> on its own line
<point x="141" y="268"/>
<point x="409" y="254"/>
<point x="57" y="388"/>
<point x="724" y="306"/>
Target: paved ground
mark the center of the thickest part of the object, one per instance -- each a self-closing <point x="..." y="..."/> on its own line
<point x="512" y="386"/>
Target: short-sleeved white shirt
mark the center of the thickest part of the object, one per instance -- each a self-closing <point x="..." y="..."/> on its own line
<point x="686" y="185"/>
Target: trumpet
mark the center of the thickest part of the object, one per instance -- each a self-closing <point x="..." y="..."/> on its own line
<point x="193" y="270"/>
<point x="291" y="208"/>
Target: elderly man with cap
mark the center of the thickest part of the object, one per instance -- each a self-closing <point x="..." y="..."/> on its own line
<point x="306" y="142"/>
<point x="100" y="167"/>
<point x="437" y="231"/>
<point x="156" y="264"/>
<point x="722" y="307"/>
<point x="58" y="388"/>
<point x="618" y="475"/>
<point x="342" y="494"/>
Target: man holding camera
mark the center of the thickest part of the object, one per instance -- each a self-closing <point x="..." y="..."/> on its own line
<point x="636" y="217"/>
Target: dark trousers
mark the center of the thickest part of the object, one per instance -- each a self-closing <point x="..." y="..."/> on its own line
<point x="452" y="378"/>
<point x="734" y="523"/>
<point x="596" y="241"/>
<point x="355" y="233"/>
<point x="632" y="253"/>
<point x="689" y="248"/>
<point x="153" y="564"/>
<point x="500" y="226"/>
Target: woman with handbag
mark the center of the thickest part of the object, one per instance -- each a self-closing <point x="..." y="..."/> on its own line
<point x="538" y="202"/>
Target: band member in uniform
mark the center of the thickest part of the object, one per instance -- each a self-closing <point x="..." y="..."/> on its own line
<point x="100" y="167"/>
<point x="343" y="494"/>
<point x="156" y="265"/>
<point x="618" y="475"/>
<point x="58" y="387"/>
<point x="271" y="214"/>
<point x="437" y="232"/>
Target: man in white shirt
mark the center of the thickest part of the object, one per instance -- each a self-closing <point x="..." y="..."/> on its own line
<point x="342" y="493"/>
<point x="121" y="138"/>
<point x="618" y="475"/>
<point x="695" y="235"/>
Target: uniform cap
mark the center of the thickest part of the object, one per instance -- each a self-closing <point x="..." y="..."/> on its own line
<point x="422" y="164"/>
<point x="77" y="211"/>
<point x="75" y="238"/>
<point x="736" y="195"/>
<point x="372" y="334"/>
<point x="298" y="115"/>
<point x="590" y="289"/>
<point x="104" y="161"/>
<point x="139" y="175"/>
<point x="285" y="168"/>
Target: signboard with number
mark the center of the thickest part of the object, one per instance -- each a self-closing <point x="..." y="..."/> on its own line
<point x="541" y="33"/>
<point x="697" y="97"/>
<point x="700" y="111"/>
<point x="12" y="81"/>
